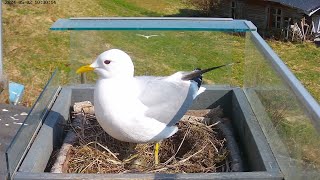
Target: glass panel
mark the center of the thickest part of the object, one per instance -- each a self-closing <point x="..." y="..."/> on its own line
<point x="162" y="53"/>
<point x="199" y="24"/>
<point x="32" y="123"/>
<point x="287" y="126"/>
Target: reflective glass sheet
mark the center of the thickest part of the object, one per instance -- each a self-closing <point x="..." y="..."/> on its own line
<point x="162" y="53"/>
<point x="32" y="123"/>
<point x="285" y="122"/>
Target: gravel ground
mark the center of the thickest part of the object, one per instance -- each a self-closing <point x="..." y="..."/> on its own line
<point x="11" y="118"/>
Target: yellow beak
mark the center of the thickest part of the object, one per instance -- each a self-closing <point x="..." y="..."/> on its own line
<point x="83" y="69"/>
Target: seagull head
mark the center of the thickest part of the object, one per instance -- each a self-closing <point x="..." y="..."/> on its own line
<point x="110" y="64"/>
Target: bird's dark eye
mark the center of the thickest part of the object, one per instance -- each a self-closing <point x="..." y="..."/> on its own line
<point x="107" y="62"/>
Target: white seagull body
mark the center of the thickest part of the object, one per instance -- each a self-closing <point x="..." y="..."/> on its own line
<point x="139" y="109"/>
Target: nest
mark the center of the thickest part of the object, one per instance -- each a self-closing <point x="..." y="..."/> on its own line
<point x="197" y="147"/>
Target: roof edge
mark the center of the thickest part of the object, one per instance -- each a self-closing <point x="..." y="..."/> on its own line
<point x="313" y="11"/>
<point x="307" y="12"/>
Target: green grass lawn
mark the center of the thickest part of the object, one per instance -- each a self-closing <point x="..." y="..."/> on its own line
<point x="31" y="51"/>
<point x="165" y="53"/>
<point x="303" y="59"/>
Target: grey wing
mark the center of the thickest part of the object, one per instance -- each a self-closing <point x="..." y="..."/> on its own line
<point x="167" y="98"/>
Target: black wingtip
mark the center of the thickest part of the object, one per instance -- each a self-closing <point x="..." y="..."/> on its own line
<point x="198" y="72"/>
<point x="198" y="79"/>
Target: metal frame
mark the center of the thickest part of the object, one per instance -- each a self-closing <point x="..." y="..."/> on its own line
<point x="150" y="18"/>
<point x="104" y="24"/>
<point x="257" y="175"/>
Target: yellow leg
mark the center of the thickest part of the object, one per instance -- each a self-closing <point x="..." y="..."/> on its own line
<point x="156" y="153"/>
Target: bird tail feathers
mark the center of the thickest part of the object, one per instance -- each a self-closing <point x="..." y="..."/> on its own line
<point x="198" y="72"/>
<point x="201" y="90"/>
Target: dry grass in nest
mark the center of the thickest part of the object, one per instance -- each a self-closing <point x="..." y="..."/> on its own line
<point x="195" y="148"/>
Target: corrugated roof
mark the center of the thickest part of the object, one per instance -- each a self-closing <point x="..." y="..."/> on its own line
<point x="308" y="6"/>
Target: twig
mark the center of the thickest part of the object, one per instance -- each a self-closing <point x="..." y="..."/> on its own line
<point x="83" y="117"/>
<point x="90" y="164"/>
<point x="186" y="159"/>
<point x="157" y="170"/>
<point x="193" y="119"/>
<point x="214" y="147"/>
<point x="105" y="148"/>
<point x="172" y="157"/>
<point x="113" y="161"/>
<point x="130" y="158"/>
<point x="76" y="133"/>
<point x="214" y="124"/>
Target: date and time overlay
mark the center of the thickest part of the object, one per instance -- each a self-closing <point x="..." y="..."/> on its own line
<point x="29" y="2"/>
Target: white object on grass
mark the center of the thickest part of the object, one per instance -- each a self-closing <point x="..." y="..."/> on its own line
<point x="147" y="36"/>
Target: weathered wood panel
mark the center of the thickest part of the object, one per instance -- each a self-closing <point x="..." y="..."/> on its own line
<point x="257" y="12"/>
<point x="223" y="9"/>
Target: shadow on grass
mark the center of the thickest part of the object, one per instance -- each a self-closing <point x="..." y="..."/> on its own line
<point x="188" y="13"/>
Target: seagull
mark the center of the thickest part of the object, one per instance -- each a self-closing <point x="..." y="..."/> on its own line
<point x="146" y="36"/>
<point x="140" y="109"/>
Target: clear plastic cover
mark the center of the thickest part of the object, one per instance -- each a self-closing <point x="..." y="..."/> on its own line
<point x="32" y="123"/>
<point x="160" y="47"/>
<point x="160" y="53"/>
<point x="286" y="123"/>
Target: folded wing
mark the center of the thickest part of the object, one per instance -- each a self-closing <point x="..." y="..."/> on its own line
<point x="167" y="98"/>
